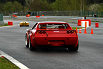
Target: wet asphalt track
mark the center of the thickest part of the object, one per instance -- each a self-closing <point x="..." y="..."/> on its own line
<point x="89" y="56"/>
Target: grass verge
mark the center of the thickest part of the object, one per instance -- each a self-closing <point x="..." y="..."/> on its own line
<point x="77" y="28"/>
<point x="4" y="25"/>
<point x="95" y="21"/>
<point x="6" y="64"/>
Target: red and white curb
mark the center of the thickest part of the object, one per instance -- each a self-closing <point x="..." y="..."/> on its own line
<point x="14" y="61"/>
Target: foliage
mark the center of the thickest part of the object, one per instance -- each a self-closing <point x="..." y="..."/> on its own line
<point x="40" y="5"/>
<point x="65" y="5"/>
<point x="96" y="7"/>
<point x="12" y="6"/>
<point x="17" y="6"/>
<point x="50" y="5"/>
<point x="8" y="6"/>
<point x="101" y="7"/>
<point x="1" y="7"/>
<point x="28" y="3"/>
<point x="61" y="5"/>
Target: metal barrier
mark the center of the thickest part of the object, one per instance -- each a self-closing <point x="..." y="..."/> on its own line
<point x="1" y="19"/>
<point x="57" y="13"/>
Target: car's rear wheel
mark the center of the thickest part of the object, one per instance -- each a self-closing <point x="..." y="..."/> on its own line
<point x="30" y="45"/>
<point x="72" y="48"/>
<point x="75" y="48"/>
<point x="26" y="42"/>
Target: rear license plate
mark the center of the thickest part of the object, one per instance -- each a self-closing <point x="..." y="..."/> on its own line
<point x="56" y="42"/>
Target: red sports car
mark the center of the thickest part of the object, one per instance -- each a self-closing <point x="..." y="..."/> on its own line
<point x="52" y="33"/>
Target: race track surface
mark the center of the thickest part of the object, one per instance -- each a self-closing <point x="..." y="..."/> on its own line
<point x="89" y="56"/>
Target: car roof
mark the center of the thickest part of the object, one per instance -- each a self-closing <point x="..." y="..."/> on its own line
<point x="52" y="21"/>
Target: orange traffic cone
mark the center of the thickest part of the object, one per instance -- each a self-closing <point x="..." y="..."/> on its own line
<point x="80" y="30"/>
<point x="92" y="31"/>
<point x="76" y="30"/>
<point x="85" y="32"/>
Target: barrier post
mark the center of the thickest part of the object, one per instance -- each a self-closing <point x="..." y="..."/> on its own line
<point x="96" y="25"/>
<point x="85" y="24"/>
<point x="10" y="23"/>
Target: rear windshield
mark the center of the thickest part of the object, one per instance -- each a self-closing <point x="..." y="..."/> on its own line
<point x="53" y="26"/>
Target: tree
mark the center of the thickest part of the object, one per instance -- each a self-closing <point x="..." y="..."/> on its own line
<point x="60" y="5"/>
<point x="65" y="5"/>
<point x="1" y="7"/>
<point x="40" y="5"/>
<point x="29" y="3"/>
<point x="95" y="7"/>
<point x="51" y="1"/>
<point x="13" y="7"/>
<point x="8" y="7"/>
<point x="17" y="6"/>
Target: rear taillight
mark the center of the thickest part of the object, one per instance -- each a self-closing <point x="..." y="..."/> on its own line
<point x="41" y="32"/>
<point x="71" y="31"/>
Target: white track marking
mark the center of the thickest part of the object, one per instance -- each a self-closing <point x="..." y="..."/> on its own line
<point x="14" y="61"/>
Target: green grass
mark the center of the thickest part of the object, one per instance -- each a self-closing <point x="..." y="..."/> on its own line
<point x="4" y="25"/>
<point x="5" y="64"/>
<point x="77" y="28"/>
<point x="95" y="21"/>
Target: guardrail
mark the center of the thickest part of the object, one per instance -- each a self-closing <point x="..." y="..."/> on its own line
<point x="57" y="13"/>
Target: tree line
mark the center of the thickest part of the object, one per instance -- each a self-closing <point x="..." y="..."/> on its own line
<point x="50" y="5"/>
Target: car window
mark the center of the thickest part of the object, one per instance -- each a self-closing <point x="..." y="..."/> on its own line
<point x="53" y="26"/>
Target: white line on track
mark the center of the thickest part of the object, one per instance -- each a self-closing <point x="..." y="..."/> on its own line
<point x="14" y="61"/>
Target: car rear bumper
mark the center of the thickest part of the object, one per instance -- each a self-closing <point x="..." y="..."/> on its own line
<point x="56" y="41"/>
<point x="24" y="25"/>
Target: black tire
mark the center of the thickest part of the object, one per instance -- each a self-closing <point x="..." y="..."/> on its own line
<point x="72" y="48"/>
<point x="26" y="42"/>
<point x="30" y="45"/>
<point x="76" y="48"/>
<point x="20" y="26"/>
